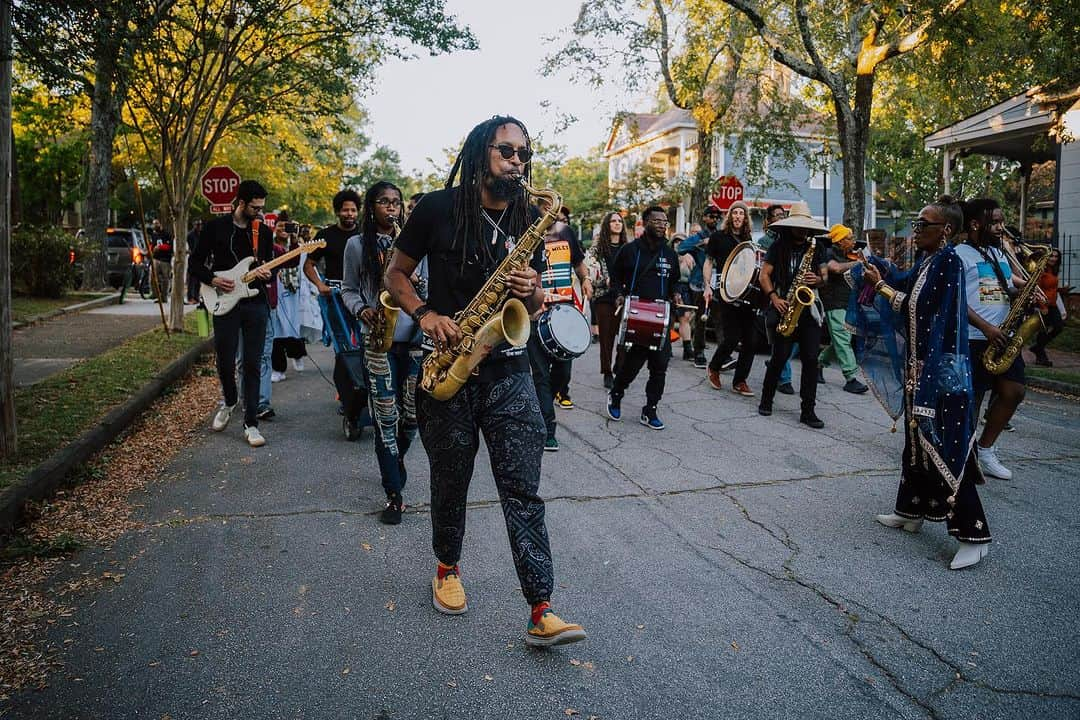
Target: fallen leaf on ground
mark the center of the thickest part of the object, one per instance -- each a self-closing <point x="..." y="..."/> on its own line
<point x="451" y="683"/>
<point x="345" y="671"/>
<point x="488" y="677"/>
<point x="193" y="653"/>
<point x="575" y="661"/>
<point x="735" y="645"/>
<point x="571" y="711"/>
<point x="390" y="606"/>
<point x="366" y="546"/>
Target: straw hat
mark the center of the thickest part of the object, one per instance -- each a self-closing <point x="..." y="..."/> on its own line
<point x="799" y="217"/>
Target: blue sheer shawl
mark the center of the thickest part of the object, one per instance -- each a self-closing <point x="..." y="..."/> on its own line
<point x="914" y="351"/>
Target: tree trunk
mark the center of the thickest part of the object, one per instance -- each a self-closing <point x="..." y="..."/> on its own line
<point x="9" y="441"/>
<point x="853" y="127"/>
<point x="105" y="103"/>
<point x="703" y="178"/>
<point x="179" y="266"/>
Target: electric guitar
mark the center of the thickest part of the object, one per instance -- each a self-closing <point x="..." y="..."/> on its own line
<point x="219" y="302"/>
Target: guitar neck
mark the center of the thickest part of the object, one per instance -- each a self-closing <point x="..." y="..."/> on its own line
<point x="249" y="276"/>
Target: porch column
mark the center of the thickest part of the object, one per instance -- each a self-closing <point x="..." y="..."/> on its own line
<point x="946" y="169"/>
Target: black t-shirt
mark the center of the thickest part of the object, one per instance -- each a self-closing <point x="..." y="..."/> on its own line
<point x="784" y="249"/>
<point x="720" y="246"/>
<point x="334" y="252"/>
<point x="835" y="292"/>
<point x="635" y="273"/>
<point x="457" y="271"/>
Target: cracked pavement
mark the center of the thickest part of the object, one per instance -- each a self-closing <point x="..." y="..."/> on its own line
<point x="728" y="566"/>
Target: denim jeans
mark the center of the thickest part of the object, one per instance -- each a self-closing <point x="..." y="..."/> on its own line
<point x="391" y="380"/>
<point x="265" y="387"/>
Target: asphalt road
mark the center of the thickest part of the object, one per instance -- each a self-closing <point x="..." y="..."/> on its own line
<point x="727" y="567"/>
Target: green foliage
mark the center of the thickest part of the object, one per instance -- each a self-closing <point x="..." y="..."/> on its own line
<point x="582" y="182"/>
<point x="40" y="260"/>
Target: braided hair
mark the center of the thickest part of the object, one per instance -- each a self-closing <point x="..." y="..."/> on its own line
<point x="474" y="167"/>
<point x="369" y="229"/>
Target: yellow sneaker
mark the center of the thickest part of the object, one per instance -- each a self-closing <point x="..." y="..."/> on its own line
<point x="448" y="594"/>
<point x="552" y="630"/>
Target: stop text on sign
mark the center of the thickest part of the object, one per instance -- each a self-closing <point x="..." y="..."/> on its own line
<point x="225" y="186"/>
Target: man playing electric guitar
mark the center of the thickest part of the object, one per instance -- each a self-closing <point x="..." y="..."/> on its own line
<point x="225" y="241"/>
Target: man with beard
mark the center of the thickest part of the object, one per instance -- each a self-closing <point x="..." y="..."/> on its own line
<point x="648" y="269"/>
<point x="466" y="230"/>
<point x="350" y="391"/>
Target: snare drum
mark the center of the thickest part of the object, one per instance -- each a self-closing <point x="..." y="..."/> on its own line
<point x="644" y="322"/>
<point x="563" y="332"/>
<point x="739" y="278"/>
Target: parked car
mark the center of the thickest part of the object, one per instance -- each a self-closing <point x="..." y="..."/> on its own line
<point x="125" y="248"/>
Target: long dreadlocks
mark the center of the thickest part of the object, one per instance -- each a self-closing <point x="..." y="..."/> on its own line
<point x="472" y="162"/>
<point x="369" y="229"/>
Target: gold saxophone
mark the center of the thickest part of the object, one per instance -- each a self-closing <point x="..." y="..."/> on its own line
<point x="799" y="297"/>
<point x="1020" y="325"/>
<point x="492" y="316"/>
<point x="381" y="332"/>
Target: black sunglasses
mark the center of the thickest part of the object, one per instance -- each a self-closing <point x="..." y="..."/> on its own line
<point x="507" y="151"/>
<point x="919" y="224"/>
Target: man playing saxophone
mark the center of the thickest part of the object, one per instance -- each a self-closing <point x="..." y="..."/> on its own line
<point x="466" y="230"/>
<point x="789" y="275"/>
<point x="390" y="367"/>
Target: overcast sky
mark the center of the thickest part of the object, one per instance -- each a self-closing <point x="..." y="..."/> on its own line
<point x="421" y="106"/>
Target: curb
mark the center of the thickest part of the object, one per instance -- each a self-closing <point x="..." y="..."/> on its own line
<point x="1053" y="386"/>
<point x="46" y="477"/>
<point x="113" y="299"/>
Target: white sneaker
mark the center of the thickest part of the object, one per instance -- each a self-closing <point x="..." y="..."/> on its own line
<point x="254" y="437"/>
<point x="276" y="376"/>
<point x="298" y="364"/>
<point x="898" y="521"/>
<point x="988" y="461"/>
<point x="221" y="417"/>
<point x="969" y="554"/>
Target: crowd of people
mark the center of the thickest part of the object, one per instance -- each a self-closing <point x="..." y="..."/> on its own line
<point x="390" y="287"/>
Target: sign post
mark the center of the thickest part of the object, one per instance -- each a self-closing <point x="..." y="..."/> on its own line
<point x="729" y="190"/>
<point x="218" y="185"/>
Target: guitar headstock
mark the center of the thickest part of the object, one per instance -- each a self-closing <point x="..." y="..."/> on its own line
<point x="312" y="245"/>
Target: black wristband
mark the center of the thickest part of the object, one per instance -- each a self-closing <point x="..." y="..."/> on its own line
<point x="420" y="312"/>
<point x="772" y="292"/>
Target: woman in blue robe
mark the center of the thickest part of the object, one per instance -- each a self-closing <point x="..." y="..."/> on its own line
<point x="929" y="315"/>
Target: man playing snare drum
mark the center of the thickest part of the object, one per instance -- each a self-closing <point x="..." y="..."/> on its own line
<point x="648" y="269"/>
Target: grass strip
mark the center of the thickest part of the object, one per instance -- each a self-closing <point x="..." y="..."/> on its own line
<point x="25" y="308"/>
<point x="1065" y="376"/>
<point x="59" y="409"/>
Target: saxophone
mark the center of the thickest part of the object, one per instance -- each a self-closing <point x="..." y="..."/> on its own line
<point x="799" y="297"/>
<point x="381" y="332"/>
<point x="1020" y="325"/>
<point x="491" y="316"/>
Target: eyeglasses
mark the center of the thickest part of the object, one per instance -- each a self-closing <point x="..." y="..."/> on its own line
<point x="507" y="151"/>
<point x="919" y="225"/>
<point x="388" y="202"/>
<point x="658" y="221"/>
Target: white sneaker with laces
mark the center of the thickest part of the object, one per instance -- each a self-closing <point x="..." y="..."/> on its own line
<point x="221" y="417"/>
<point x="298" y="364"/>
<point x="254" y="437"/>
<point x="988" y="461"/>
<point x="276" y="376"/>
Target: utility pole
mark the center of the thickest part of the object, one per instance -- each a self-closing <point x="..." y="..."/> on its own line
<point x="8" y="436"/>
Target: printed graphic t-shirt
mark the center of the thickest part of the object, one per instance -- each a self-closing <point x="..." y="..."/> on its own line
<point x="563" y="253"/>
<point x="984" y="293"/>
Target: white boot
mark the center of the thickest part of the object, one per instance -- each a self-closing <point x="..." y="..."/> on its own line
<point x="988" y="461"/>
<point x="298" y="364"/>
<point x="896" y="521"/>
<point x="969" y="554"/>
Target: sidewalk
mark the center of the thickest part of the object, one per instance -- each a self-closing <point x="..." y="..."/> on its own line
<point x="727" y="567"/>
<point x="46" y="348"/>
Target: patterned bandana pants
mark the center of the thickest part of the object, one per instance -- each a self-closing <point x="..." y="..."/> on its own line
<point x="506" y="411"/>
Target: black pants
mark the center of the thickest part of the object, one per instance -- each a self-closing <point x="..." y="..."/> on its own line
<point x="507" y="413"/>
<point x="351" y="390"/>
<point x="924" y="494"/>
<point x="697" y="297"/>
<point x="1054" y="324"/>
<point x="286" y="347"/>
<point x="248" y="319"/>
<point x="549" y="375"/>
<point x="808" y="335"/>
<point x="632" y="360"/>
<point x="738" y="322"/>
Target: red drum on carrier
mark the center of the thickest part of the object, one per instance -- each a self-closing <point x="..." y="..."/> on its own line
<point x="739" y="277"/>
<point x="644" y="322"/>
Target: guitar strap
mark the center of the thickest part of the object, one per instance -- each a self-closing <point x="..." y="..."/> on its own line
<point x="255" y="238"/>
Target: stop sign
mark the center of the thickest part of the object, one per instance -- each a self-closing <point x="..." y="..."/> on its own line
<point x="728" y="191"/>
<point x="218" y="185"/>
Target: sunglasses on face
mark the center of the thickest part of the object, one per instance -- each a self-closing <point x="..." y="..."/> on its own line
<point x="508" y="151"/>
<point x="920" y="224"/>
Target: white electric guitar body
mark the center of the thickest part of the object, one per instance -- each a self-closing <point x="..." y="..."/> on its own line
<point x="219" y="302"/>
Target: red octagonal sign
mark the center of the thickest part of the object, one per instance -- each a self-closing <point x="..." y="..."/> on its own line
<point x="728" y="191"/>
<point x="218" y="185"/>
